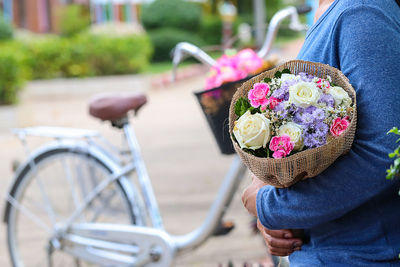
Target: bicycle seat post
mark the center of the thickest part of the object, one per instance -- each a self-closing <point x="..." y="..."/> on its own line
<point x="143" y="177"/>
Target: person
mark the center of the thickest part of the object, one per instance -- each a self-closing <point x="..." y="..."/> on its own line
<point x="349" y="213"/>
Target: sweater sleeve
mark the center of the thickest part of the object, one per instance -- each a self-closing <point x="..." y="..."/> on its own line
<point x="366" y="44"/>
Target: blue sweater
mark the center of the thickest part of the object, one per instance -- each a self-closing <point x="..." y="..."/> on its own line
<point x="350" y="213"/>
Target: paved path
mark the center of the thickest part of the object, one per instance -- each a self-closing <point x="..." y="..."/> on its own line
<point x="182" y="158"/>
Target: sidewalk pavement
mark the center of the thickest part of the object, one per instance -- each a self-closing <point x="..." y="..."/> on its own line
<point x="181" y="155"/>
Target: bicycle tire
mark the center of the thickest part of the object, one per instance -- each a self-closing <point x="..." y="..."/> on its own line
<point x="24" y="179"/>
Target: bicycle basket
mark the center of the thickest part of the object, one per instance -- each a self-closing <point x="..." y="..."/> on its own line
<point x="215" y="104"/>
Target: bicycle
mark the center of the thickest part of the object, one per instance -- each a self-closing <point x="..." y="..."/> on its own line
<point x="90" y="230"/>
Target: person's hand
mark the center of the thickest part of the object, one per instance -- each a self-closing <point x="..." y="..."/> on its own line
<point x="249" y="195"/>
<point x="279" y="242"/>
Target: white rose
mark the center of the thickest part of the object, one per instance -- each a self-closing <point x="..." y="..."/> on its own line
<point x="252" y="131"/>
<point x="294" y="131"/>
<point x="304" y="94"/>
<point x="287" y="77"/>
<point x="340" y="96"/>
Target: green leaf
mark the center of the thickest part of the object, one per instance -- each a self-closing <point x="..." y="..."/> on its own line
<point x="287" y="71"/>
<point x="267" y="80"/>
<point x="260" y="153"/>
<point x="394" y="130"/>
<point x="254" y="110"/>
<point x="241" y="106"/>
<point x="278" y="74"/>
<point x="392" y="155"/>
<point x="397" y="164"/>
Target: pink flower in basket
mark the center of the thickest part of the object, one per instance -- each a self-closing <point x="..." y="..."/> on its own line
<point x="281" y="145"/>
<point x="273" y="102"/>
<point x="231" y="74"/>
<point x="249" y="61"/>
<point x="226" y="60"/>
<point x="213" y="79"/>
<point x="258" y="95"/>
<point x="339" y="126"/>
<point x="233" y="68"/>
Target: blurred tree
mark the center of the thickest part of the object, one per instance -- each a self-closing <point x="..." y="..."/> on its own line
<point x="6" y="30"/>
<point x="73" y="19"/>
<point x="246" y="7"/>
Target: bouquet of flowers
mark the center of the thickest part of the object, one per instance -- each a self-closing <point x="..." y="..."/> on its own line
<point x="292" y="122"/>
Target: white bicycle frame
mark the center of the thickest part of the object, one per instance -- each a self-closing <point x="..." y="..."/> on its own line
<point x="126" y="245"/>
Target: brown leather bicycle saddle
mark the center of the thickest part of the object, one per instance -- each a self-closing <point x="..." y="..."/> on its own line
<point x="115" y="106"/>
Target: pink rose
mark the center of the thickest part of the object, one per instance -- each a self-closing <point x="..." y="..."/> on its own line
<point x="281" y="145"/>
<point x="339" y="126"/>
<point x="273" y="102"/>
<point x="248" y="60"/>
<point x="323" y="84"/>
<point x="258" y="95"/>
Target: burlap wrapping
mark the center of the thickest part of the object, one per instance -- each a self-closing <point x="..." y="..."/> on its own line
<point x="306" y="164"/>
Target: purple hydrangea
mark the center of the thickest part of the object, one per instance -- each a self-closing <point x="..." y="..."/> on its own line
<point x="310" y="109"/>
<point x="312" y="120"/>
<point x="283" y="91"/>
<point x="297" y="115"/>
<point x="281" y="109"/>
<point x="327" y="99"/>
<point x="293" y="109"/>
<point x="307" y="119"/>
<point x="321" y="128"/>
<point x="286" y="97"/>
<point x="319" y="114"/>
<point x="309" y="115"/>
<point x="280" y="92"/>
<point x="306" y="77"/>
<point x="314" y="136"/>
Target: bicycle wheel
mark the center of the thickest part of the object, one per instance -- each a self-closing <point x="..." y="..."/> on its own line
<point x="48" y="192"/>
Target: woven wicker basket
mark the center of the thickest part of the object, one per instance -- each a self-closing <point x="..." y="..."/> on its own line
<point x="306" y="164"/>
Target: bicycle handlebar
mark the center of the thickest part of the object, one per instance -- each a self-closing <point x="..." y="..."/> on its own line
<point x="184" y="48"/>
<point x="303" y="9"/>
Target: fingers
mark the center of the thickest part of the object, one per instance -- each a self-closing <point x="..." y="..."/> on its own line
<point x="279" y="233"/>
<point x="280" y="252"/>
<point x="279" y="242"/>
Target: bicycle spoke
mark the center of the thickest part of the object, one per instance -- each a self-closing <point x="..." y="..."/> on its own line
<point x="29" y="214"/>
<point x="88" y="190"/>
<point x="71" y="183"/>
<point x="106" y="204"/>
<point x="46" y="200"/>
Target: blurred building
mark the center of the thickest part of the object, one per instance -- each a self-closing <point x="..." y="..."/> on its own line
<point x="35" y="15"/>
<point x="116" y="10"/>
<point x="42" y="16"/>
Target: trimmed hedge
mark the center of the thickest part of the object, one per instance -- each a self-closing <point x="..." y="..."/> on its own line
<point x="80" y="56"/>
<point x="11" y="77"/>
<point x="88" y="55"/>
<point x="164" y="40"/>
<point x="177" y="14"/>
